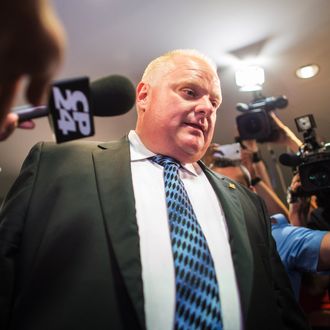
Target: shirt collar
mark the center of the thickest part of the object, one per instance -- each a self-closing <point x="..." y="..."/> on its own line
<point x="140" y="152"/>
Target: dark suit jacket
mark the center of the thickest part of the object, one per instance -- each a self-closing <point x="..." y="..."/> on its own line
<point x="69" y="246"/>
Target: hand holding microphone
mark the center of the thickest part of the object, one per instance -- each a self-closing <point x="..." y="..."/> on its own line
<point x="73" y="103"/>
<point x="32" y="46"/>
<point x="10" y="122"/>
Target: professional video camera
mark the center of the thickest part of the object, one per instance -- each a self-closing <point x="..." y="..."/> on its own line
<point x="255" y="122"/>
<point x="312" y="160"/>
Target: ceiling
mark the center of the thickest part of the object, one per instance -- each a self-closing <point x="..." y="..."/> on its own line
<point x="120" y="37"/>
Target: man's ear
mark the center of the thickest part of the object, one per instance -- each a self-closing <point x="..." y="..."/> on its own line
<point x="142" y="95"/>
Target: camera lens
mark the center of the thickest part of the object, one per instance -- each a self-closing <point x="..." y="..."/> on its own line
<point x="319" y="176"/>
<point x="254" y="124"/>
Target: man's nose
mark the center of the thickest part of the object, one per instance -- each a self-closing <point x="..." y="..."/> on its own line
<point x="204" y="106"/>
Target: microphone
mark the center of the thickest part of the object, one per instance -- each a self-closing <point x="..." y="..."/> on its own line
<point x="110" y="96"/>
<point x="268" y="103"/>
<point x="291" y="160"/>
<point x="73" y="102"/>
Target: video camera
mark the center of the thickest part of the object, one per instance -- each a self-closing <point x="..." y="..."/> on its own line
<point x="255" y="122"/>
<point x="312" y="160"/>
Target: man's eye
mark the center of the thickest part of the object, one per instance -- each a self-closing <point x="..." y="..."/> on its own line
<point x="189" y="92"/>
<point x="215" y="104"/>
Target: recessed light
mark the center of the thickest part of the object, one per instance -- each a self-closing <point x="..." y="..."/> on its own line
<point x="307" y="71"/>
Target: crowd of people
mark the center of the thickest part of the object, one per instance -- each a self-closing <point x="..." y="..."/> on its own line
<point x="139" y="233"/>
<point x="98" y="243"/>
<point x="300" y="227"/>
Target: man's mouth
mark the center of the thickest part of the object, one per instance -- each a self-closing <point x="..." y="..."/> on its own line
<point x="196" y="126"/>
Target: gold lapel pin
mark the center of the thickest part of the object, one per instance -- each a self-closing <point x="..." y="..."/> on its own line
<point x="231" y="186"/>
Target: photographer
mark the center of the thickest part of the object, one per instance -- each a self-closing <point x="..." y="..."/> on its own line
<point x="300" y="249"/>
<point x="306" y="208"/>
<point x="314" y="296"/>
<point x="308" y="200"/>
<point x="309" y="208"/>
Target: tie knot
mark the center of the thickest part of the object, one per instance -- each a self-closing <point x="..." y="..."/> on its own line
<point x="165" y="160"/>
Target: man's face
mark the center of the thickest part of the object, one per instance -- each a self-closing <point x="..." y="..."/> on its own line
<point x="178" y="110"/>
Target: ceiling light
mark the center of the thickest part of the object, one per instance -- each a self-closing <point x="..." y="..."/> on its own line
<point x="250" y="78"/>
<point x="307" y="71"/>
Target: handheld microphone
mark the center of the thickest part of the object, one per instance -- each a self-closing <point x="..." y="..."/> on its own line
<point x="110" y="96"/>
<point x="73" y="102"/>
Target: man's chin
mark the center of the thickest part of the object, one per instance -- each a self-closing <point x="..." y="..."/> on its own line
<point x="194" y="152"/>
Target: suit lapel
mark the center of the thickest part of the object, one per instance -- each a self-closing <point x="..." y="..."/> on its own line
<point x="113" y="173"/>
<point x="240" y="246"/>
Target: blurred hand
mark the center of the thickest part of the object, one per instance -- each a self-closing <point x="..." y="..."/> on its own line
<point x="10" y="123"/>
<point x="299" y="206"/>
<point x="32" y="45"/>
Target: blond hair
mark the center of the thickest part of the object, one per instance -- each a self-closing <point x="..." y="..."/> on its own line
<point x="163" y="63"/>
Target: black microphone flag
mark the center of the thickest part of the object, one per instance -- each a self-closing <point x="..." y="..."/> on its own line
<point x="70" y="109"/>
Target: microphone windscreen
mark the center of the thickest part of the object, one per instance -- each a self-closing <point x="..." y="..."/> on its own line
<point x="289" y="160"/>
<point x="112" y="96"/>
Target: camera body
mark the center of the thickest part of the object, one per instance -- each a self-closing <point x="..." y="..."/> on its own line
<point x="312" y="161"/>
<point x="256" y="124"/>
<point x="314" y="169"/>
<point x="255" y="121"/>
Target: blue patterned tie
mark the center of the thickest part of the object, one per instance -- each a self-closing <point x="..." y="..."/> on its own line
<point x="197" y="292"/>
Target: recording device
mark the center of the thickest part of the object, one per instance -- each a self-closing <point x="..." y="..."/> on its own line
<point x="255" y="122"/>
<point x="229" y="151"/>
<point x="312" y="160"/>
<point x="73" y="103"/>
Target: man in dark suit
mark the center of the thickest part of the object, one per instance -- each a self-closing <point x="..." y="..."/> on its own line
<point x="85" y="240"/>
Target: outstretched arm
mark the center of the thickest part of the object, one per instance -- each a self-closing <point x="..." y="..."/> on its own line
<point x="36" y="57"/>
<point x="286" y="136"/>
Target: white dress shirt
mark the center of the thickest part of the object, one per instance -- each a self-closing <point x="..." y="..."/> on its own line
<point x="158" y="273"/>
